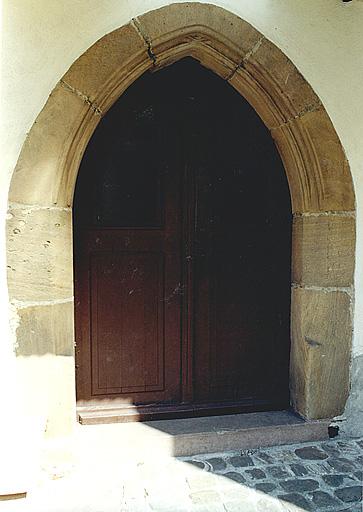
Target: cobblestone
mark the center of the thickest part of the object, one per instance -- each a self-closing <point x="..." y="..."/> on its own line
<point x="301" y="485"/>
<point x="349" y="494"/>
<point x="316" y="477"/>
<point x="311" y="453"/>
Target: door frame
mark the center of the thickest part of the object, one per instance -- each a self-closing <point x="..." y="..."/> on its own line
<point x="322" y="192"/>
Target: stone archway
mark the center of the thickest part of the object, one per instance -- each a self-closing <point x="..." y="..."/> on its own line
<point x="40" y="199"/>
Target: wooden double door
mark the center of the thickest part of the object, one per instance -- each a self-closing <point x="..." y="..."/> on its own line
<point x="182" y="235"/>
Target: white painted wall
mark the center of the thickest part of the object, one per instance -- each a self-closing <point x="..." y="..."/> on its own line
<point x="41" y="39"/>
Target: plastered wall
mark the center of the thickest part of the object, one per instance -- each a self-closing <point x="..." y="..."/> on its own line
<point x="41" y="39"/>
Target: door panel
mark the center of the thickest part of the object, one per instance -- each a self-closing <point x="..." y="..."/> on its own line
<point x="127" y="338"/>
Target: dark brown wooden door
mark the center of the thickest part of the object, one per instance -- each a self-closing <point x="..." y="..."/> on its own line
<point x="182" y="240"/>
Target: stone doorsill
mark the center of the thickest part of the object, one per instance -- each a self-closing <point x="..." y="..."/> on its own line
<point x="192" y="436"/>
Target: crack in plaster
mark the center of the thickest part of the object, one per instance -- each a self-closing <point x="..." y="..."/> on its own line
<point x="135" y="22"/>
<point x="96" y="109"/>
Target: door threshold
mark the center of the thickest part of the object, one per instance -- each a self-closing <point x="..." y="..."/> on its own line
<point x="200" y="435"/>
<point x="106" y="413"/>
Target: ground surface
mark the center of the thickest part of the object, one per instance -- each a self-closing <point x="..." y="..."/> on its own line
<point x="320" y="476"/>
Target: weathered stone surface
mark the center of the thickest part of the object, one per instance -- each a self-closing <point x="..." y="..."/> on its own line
<point x="296" y="499"/>
<point x="323" y="250"/>
<point x="350" y="494"/>
<point x="265" y="457"/>
<point x="268" y="65"/>
<point x="265" y="487"/>
<point x="255" y="94"/>
<point x="217" y="463"/>
<point x="121" y="49"/>
<point x="255" y="474"/>
<point x="298" y="469"/>
<point x="236" y="477"/>
<point x="197" y="463"/>
<point x="310" y="453"/>
<point x="241" y="461"/>
<point x="321" y="337"/>
<point x="333" y="480"/>
<point x="46" y="330"/>
<point x="315" y="163"/>
<point x="213" y="26"/>
<point x="40" y="174"/>
<point x="341" y="464"/>
<point x="323" y="499"/>
<point x="299" y="485"/>
<point x="278" y="472"/>
<point x="40" y="254"/>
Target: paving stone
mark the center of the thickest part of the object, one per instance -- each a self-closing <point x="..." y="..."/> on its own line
<point x="319" y="468"/>
<point x="347" y="447"/>
<point x="197" y="463"/>
<point x="331" y="448"/>
<point x="311" y="453"/>
<point x="264" y="457"/>
<point x="241" y="461"/>
<point x="323" y="499"/>
<point x="341" y="464"/>
<point x="333" y="480"/>
<point x="217" y="463"/>
<point x="265" y="487"/>
<point x="299" y="485"/>
<point x="298" y="469"/>
<point x="296" y="499"/>
<point x="349" y="494"/>
<point x="236" y="477"/>
<point x="277" y="472"/>
<point x="285" y="456"/>
<point x="255" y="474"/>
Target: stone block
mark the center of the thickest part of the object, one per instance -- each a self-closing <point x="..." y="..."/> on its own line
<point x="105" y="61"/>
<point x="39" y="254"/>
<point x="40" y="176"/>
<point x="45" y="330"/>
<point x="214" y="27"/>
<point x="275" y="73"/>
<point x="321" y="327"/>
<point x="316" y="166"/>
<point x="255" y="94"/>
<point x="323" y="250"/>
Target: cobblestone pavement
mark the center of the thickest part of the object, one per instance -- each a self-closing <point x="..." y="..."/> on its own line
<point x="324" y="476"/>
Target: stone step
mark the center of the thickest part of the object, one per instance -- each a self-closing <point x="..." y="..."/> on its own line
<point x="192" y="436"/>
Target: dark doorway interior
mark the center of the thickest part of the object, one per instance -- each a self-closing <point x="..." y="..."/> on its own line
<point x="182" y="240"/>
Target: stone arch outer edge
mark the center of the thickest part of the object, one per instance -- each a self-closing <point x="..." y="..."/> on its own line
<point x="318" y="173"/>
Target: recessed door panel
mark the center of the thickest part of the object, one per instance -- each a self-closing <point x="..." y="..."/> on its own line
<point x="127" y="332"/>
